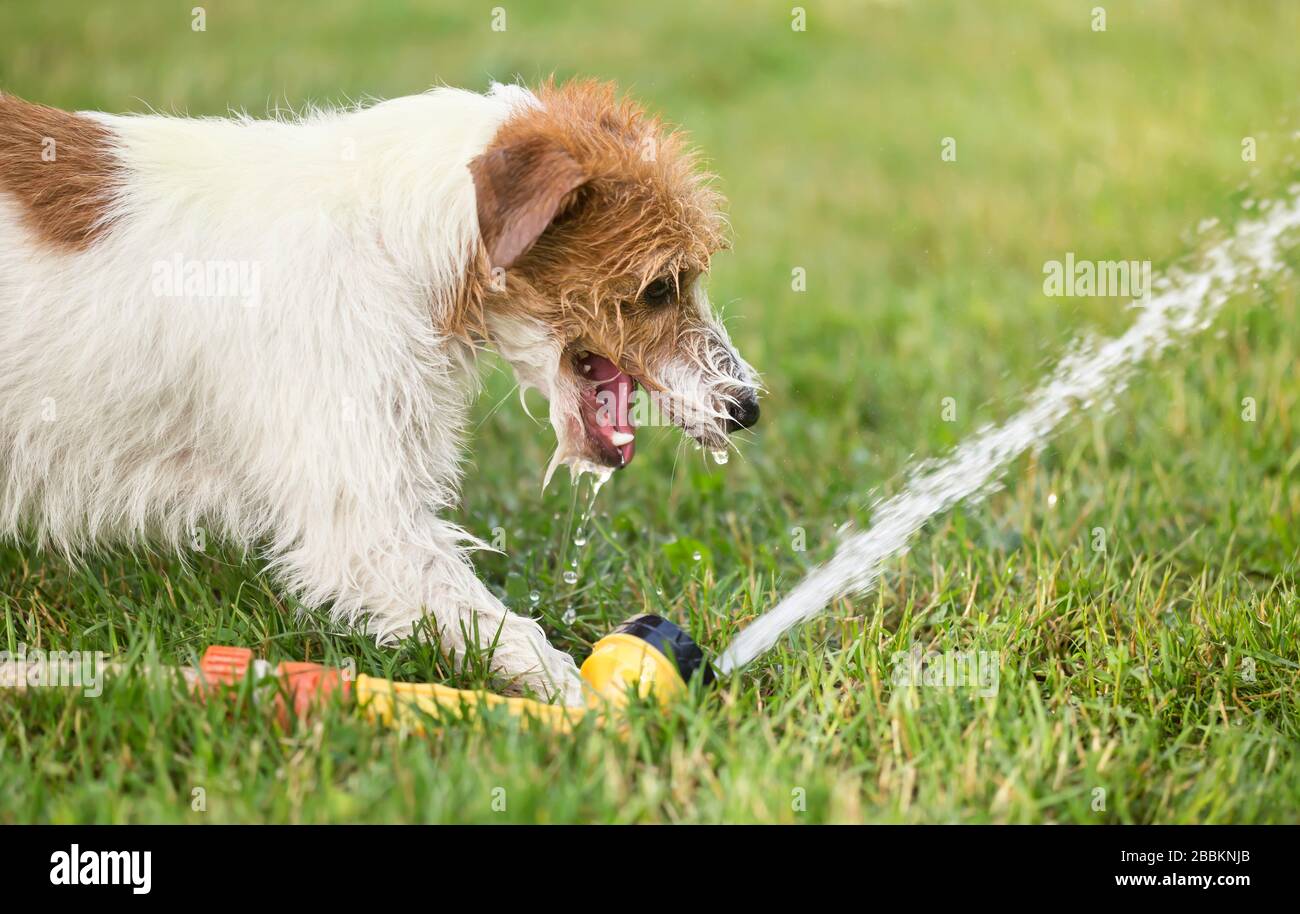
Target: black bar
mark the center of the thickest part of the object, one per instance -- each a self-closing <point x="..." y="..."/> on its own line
<point x="366" y="864"/>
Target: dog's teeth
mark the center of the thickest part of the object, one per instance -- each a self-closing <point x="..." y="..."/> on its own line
<point x="618" y="439"/>
<point x="586" y="368"/>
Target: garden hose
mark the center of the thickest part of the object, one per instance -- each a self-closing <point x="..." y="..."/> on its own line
<point x="646" y="656"/>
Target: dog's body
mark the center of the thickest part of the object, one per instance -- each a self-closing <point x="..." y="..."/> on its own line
<point x="265" y="331"/>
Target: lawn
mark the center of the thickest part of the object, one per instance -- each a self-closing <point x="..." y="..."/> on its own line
<point x="1154" y="680"/>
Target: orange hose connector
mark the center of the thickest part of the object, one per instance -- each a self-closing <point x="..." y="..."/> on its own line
<point x="302" y="686"/>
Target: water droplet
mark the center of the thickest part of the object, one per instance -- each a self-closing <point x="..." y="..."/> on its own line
<point x="696" y="555"/>
<point x="658" y="592"/>
<point x="571" y="577"/>
<point x="534" y="597"/>
<point x="580" y="539"/>
<point x="720" y="455"/>
<point x="1051" y="500"/>
<point x="570" y="616"/>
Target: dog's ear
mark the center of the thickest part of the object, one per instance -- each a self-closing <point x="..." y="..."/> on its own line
<point x="520" y="189"/>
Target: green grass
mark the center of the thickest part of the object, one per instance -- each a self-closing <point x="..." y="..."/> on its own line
<point x="1123" y="671"/>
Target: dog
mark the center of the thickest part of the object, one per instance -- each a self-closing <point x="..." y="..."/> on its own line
<point x="267" y="331"/>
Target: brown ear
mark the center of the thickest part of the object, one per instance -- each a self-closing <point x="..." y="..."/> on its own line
<point x="520" y="189"/>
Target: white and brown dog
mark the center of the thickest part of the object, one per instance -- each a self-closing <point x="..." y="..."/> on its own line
<point x="268" y="330"/>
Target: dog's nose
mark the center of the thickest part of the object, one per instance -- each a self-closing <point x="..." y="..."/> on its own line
<point x="743" y="412"/>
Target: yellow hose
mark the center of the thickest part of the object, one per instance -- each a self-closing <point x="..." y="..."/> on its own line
<point x="619" y="665"/>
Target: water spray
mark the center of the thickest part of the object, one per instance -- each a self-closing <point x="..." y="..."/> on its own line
<point x="1183" y="303"/>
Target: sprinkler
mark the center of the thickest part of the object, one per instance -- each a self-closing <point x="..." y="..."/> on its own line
<point x="646" y="656"/>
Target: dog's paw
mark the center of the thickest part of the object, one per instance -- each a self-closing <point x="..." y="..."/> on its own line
<point x="559" y="683"/>
<point x="527" y="661"/>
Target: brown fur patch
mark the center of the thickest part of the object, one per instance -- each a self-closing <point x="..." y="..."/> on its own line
<point x="520" y="188"/>
<point x="60" y="167"/>
<point x="626" y="204"/>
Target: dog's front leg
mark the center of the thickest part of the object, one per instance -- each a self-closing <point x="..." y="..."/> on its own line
<point x="521" y="653"/>
<point x="391" y="587"/>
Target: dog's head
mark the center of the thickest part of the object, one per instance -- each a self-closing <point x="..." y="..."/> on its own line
<point x="597" y="230"/>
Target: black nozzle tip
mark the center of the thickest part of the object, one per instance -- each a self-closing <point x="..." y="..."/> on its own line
<point x="671" y="641"/>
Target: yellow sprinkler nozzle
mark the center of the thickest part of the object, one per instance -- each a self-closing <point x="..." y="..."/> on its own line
<point x="647" y="655"/>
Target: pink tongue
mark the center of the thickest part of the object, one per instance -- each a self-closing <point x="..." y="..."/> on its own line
<point x="616" y="404"/>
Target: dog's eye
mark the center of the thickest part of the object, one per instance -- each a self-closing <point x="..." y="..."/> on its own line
<point x="659" y="292"/>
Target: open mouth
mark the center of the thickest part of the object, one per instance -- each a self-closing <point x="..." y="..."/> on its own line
<point x="607" y="408"/>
